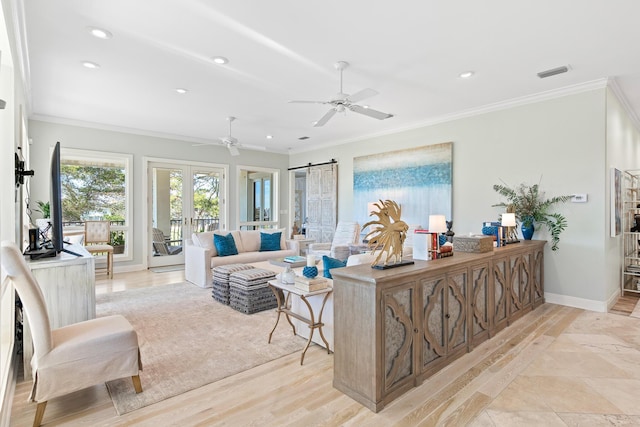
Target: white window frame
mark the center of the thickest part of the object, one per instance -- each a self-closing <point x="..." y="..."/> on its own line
<point x="275" y="189"/>
<point x="102" y="156"/>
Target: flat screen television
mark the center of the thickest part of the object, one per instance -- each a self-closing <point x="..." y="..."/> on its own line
<point x="55" y="201"/>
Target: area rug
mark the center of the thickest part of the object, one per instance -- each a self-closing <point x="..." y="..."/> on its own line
<point x="188" y="340"/>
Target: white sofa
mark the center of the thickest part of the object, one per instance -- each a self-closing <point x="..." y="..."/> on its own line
<point x="200" y="254"/>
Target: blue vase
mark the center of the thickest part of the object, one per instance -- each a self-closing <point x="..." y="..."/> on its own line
<point x="527" y="229"/>
<point x="310" y="272"/>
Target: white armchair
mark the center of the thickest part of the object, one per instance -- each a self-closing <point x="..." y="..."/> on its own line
<point x="75" y="356"/>
<point x="346" y="233"/>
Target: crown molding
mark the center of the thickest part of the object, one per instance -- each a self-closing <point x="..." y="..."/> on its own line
<point x="619" y="94"/>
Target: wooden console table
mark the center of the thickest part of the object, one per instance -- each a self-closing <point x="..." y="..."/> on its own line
<point x="68" y="285"/>
<point x="394" y="328"/>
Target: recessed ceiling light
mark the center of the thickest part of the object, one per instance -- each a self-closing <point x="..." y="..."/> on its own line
<point x="220" y="60"/>
<point x="100" y="33"/>
<point x="181" y="91"/>
<point x="466" y="74"/>
<point x="269" y="136"/>
<point x="91" y="65"/>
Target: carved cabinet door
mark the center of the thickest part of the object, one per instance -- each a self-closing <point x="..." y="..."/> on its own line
<point x="480" y="298"/>
<point x="519" y="285"/>
<point x="500" y="293"/>
<point x="398" y="336"/>
<point x="444" y="318"/>
<point x="537" y="276"/>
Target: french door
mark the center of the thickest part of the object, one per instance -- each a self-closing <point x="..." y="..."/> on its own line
<point x="183" y="199"/>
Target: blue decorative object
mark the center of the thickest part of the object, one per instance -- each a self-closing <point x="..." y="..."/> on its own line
<point x="310" y="272"/>
<point x="490" y="230"/>
<point x="328" y="263"/>
<point x="225" y="245"/>
<point x="270" y="241"/>
<point x="442" y="239"/>
<point x="527" y="229"/>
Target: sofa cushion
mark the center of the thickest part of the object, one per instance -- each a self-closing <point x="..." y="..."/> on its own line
<point x="270" y="241"/>
<point x="205" y="240"/>
<point x="328" y="263"/>
<point x="225" y="245"/>
<point x="251" y="239"/>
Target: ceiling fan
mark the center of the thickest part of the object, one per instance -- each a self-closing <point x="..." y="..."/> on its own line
<point x="232" y="143"/>
<point x="342" y="101"/>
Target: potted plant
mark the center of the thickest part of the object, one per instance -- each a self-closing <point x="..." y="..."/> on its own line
<point x="45" y="209"/>
<point x="117" y="241"/>
<point x="531" y="207"/>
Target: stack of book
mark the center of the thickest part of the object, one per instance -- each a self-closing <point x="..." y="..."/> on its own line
<point x="633" y="269"/>
<point x="294" y="259"/>
<point x="309" y="285"/>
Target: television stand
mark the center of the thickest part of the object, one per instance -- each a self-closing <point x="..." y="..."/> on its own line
<point x="41" y="253"/>
<point x="67" y="251"/>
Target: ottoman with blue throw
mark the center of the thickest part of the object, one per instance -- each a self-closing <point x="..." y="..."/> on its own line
<point x="221" y="275"/>
<point x="249" y="291"/>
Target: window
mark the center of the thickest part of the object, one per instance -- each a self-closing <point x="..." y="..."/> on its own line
<point x="96" y="187"/>
<point x="258" y="198"/>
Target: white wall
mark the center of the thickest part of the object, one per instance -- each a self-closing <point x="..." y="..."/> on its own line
<point x="45" y="134"/>
<point x="559" y="141"/>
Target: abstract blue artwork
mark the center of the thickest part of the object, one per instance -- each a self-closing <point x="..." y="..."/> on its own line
<point x="418" y="179"/>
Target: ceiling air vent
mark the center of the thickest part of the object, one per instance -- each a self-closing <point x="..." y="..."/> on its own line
<point x="302" y="138"/>
<point x="553" y="72"/>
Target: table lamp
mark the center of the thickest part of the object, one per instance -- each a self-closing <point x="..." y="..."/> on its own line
<point x="508" y="221"/>
<point x="437" y="225"/>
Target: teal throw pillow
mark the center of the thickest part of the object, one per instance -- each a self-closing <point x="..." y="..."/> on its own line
<point x="270" y="241"/>
<point x="328" y="263"/>
<point x="225" y="245"/>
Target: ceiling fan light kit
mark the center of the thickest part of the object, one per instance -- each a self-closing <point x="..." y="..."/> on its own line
<point x="343" y="101"/>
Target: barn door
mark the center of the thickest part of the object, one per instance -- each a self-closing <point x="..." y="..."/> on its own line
<point x="322" y="202"/>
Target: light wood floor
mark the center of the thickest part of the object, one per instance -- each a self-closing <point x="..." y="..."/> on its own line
<point x="555" y="366"/>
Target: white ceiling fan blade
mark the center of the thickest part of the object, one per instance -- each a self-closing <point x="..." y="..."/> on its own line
<point x="325" y="118"/>
<point x="307" y="102"/>
<point x="233" y="150"/>
<point x="369" y="112"/>
<point x="363" y="94"/>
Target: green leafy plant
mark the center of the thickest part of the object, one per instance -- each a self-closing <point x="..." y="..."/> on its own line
<point x="531" y="206"/>
<point x="117" y="238"/>
<point x="44" y="209"/>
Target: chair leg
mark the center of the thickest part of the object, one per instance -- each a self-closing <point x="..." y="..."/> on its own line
<point x="110" y="264"/>
<point x="39" y="413"/>
<point x="137" y="385"/>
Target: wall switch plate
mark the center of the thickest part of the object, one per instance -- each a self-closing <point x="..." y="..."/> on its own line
<point x="579" y="198"/>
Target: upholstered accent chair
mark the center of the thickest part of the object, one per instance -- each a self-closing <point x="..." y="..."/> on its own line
<point x="76" y="356"/>
<point x="161" y="245"/>
<point x="346" y="233"/>
<point x="97" y="235"/>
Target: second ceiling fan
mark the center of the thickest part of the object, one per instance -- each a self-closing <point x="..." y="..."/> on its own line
<point x="342" y="101"/>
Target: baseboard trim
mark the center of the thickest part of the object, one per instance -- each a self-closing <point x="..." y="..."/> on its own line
<point x="585" y="304"/>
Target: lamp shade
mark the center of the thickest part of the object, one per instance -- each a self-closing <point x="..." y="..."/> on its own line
<point x="437" y="223"/>
<point x="508" y="219"/>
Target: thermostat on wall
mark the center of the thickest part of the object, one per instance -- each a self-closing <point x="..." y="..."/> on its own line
<point x="579" y="198"/>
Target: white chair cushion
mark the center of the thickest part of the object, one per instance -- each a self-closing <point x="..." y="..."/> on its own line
<point x="84" y="354"/>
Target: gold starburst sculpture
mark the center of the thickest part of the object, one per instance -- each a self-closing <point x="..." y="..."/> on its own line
<point x="388" y="233"/>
